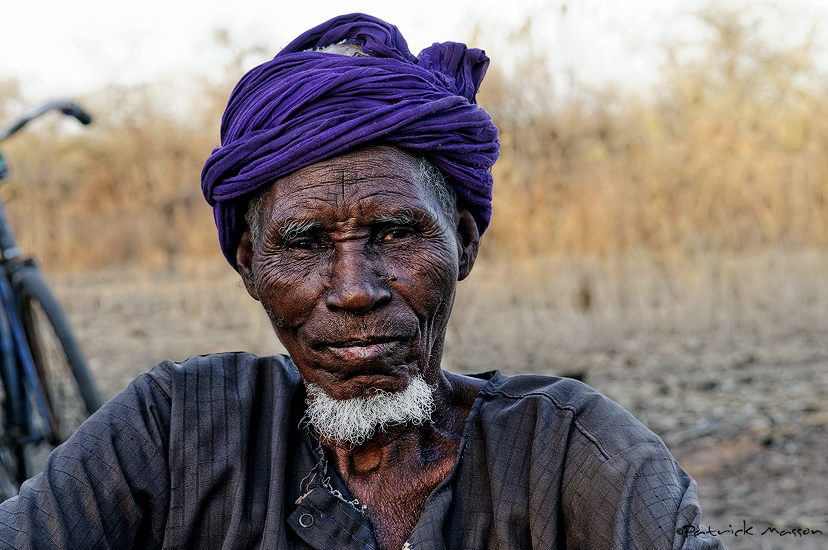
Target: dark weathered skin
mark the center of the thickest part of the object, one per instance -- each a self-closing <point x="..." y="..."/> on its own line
<point x="357" y="266"/>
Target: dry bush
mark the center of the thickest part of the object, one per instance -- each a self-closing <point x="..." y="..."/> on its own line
<point x="111" y="196"/>
<point x="728" y="154"/>
<point x="123" y="191"/>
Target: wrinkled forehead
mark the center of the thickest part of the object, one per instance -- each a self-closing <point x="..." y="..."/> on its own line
<point x="380" y="180"/>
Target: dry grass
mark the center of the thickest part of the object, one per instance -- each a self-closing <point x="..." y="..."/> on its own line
<point x="557" y="313"/>
<point x="546" y="315"/>
<point x="728" y="154"/>
<point x="722" y="357"/>
<point x="125" y="192"/>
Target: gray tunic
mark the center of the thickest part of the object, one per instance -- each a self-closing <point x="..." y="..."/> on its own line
<point x="209" y="454"/>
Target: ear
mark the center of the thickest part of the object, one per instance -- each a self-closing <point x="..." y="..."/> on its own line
<point x="244" y="263"/>
<point x="468" y="240"/>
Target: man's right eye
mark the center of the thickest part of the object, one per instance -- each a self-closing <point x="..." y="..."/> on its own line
<point x="305" y="244"/>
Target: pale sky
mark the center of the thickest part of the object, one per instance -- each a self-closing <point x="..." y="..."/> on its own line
<point x="61" y="48"/>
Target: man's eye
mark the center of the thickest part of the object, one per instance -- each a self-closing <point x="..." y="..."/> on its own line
<point x="397" y="233"/>
<point x="305" y="244"/>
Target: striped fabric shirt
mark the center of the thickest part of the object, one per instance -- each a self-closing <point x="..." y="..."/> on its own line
<point x="209" y="454"/>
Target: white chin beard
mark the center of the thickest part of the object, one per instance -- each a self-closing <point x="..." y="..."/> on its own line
<point x="355" y="420"/>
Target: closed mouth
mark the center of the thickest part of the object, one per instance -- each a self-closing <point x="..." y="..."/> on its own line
<point x="362" y="349"/>
<point x="360" y="342"/>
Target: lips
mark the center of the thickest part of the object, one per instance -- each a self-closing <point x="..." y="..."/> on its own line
<point x="347" y="354"/>
<point x="359" y="342"/>
<point x="368" y="352"/>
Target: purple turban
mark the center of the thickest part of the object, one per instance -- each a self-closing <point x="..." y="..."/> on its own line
<point x="303" y="107"/>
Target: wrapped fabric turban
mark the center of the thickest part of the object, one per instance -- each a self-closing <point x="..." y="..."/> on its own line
<point x="307" y="106"/>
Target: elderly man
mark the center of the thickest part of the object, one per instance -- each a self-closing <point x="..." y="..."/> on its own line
<point x="350" y="191"/>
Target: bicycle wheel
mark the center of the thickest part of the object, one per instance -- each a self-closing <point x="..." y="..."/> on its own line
<point x="15" y="408"/>
<point x="64" y="376"/>
<point x="10" y="461"/>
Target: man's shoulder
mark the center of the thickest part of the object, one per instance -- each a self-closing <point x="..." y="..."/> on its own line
<point x="226" y="374"/>
<point x="564" y="394"/>
<point x="569" y="405"/>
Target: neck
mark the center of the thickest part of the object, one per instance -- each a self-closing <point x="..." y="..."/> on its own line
<point x="393" y="473"/>
<point x="416" y="445"/>
<point x="407" y="446"/>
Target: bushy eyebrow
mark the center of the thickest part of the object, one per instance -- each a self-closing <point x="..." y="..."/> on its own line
<point x="291" y="228"/>
<point x="402" y="217"/>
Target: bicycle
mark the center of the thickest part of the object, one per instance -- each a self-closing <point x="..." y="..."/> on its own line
<point x="46" y="388"/>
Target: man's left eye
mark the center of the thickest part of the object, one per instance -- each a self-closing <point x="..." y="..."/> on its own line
<point x="397" y="233"/>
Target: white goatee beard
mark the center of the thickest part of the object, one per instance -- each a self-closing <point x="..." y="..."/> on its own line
<point x="355" y="420"/>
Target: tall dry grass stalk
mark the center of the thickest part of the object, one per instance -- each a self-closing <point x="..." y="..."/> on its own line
<point x="729" y="154"/>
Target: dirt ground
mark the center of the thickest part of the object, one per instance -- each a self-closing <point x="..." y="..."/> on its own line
<point x="725" y="359"/>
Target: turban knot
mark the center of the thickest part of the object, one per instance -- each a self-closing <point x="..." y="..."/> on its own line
<point x="306" y="106"/>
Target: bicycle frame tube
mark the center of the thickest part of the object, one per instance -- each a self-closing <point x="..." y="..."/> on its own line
<point x="8" y="243"/>
<point x="24" y="355"/>
<point x="15" y="400"/>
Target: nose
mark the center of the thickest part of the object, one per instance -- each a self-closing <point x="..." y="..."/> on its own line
<point x="356" y="286"/>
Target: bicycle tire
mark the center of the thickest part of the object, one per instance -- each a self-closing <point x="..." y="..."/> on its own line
<point x="64" y="375"/>
<point x="11" y="460"/>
